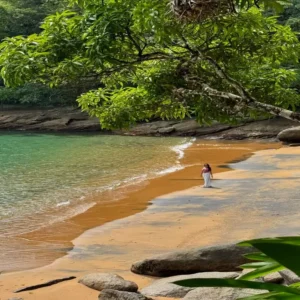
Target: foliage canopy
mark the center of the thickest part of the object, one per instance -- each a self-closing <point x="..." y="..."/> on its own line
<point x="150" y="64"/>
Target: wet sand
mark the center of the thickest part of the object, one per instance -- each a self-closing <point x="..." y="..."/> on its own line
<point x="190" y="217"/>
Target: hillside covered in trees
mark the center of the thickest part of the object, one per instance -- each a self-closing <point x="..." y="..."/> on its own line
<point x="136" y="60"/>
<point x="23" y="18"/>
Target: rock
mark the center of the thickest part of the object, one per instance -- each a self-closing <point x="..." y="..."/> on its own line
<point x="208" y="293"/>
<point x="218" y="258"/>
<point x="120" y="295"/>
<point x="166" y="288"/>
<point x="289" y="276"/>
<point x="290" y="135"/>
<point x="166" y="130"/>
<point x="101" y="281"/>
<point x="273" y="278"/>
<point x="193" y="128"/>
<point x="258" y="129"/>
<point x="246" y="271"/>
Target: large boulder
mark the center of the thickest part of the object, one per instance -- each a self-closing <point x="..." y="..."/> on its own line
<point x="290" y="135"/>
<point x="119" y="295"/>
<point x="289" y="277"/>
<point x="224" y="258"/>
<point x="101" y="281"/>
<point x="166" y="288"/>
<point x="209" y="293"/>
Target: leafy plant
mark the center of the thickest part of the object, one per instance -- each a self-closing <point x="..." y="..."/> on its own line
<point x="276" y="254"/>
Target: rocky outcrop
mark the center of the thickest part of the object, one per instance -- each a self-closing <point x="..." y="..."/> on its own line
<point x="57" y="120"/>
<point x="117" y="295"/>
<point x="248" y="130"/>
<point x="101" y="281"/>
<point x="175" y="128"/>
<point x="73" y="120"/>
<point x="258" y="129"/>
<point x="290" y="135"/>
<point x="166" y="288"/>
<point x="209" y="293"/>
<point x="224" y="258"/>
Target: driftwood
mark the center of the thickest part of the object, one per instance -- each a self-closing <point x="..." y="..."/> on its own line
<point x="45" y="284"/>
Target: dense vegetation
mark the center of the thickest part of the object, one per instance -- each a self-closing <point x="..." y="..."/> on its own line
<point x="23" y="18"/>
<point x="148" y="63"/>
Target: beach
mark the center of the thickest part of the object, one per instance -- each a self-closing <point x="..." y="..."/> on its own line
<point x="173" y="212"/>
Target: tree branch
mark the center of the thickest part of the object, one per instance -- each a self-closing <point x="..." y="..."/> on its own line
<point x="135" y="43"/>
<point x="239" y="100"/>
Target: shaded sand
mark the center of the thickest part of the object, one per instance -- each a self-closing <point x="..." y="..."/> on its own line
<point x="44" y="246"/>
<point x="259" y="198"/>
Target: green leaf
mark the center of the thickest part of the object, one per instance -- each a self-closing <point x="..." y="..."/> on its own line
<point x="276" y="248"/>
<point x="254" y="265"/>
<point x="258" y="256"/>
<point x="237" y="284"/>
<point x="262" y="271"/>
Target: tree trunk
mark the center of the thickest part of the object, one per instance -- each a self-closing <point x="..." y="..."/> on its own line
<point x="254" y="104"/>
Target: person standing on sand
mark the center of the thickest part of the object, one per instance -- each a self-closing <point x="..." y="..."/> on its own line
<point x="207" y="175"/>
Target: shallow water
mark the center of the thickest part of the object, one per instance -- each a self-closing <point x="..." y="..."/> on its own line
<point x="48" y="178"/>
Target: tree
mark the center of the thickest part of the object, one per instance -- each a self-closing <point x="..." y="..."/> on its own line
<point x="291" y="15"/>
<point x="152" y="64"/>
<point x="24" y="17"/>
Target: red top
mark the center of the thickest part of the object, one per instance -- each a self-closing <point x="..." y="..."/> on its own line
<point x="206" y="170"/>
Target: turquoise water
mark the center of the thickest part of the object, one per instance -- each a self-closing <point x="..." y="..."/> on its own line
<point x="48" y="178"/>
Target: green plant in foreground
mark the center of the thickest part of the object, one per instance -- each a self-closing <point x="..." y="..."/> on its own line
<point x="276" y="254"/>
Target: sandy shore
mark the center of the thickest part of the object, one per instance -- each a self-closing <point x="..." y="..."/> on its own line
<point x="189" y="217"/>
<point x="41" y="247"/>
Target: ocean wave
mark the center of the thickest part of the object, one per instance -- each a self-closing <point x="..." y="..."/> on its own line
<point x="179" y="149"/>
<point x="135" y="179"/>
<point x="170" y="170"/>
<point x="65" y="203"/>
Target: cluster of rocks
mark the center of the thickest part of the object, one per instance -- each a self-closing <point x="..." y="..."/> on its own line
<point x="73" y="120"/>
<point x="211" y="262"/>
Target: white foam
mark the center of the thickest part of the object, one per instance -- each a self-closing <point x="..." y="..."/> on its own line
<point x="170" y="170"/>
<point x="63" y="203"/>
<point x="136" y="179"/>
<point x="179" y="149"/>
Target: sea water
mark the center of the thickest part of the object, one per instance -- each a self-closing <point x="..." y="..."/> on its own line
<point x="47" y="178"/>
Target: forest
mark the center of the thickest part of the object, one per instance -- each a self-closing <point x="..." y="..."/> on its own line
<point x="133" y="61"/>
<point x="23" y="18"/>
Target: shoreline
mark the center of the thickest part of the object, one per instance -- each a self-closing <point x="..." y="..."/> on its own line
<point x="136" y="198"/>
<point x="189" y="218"/>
